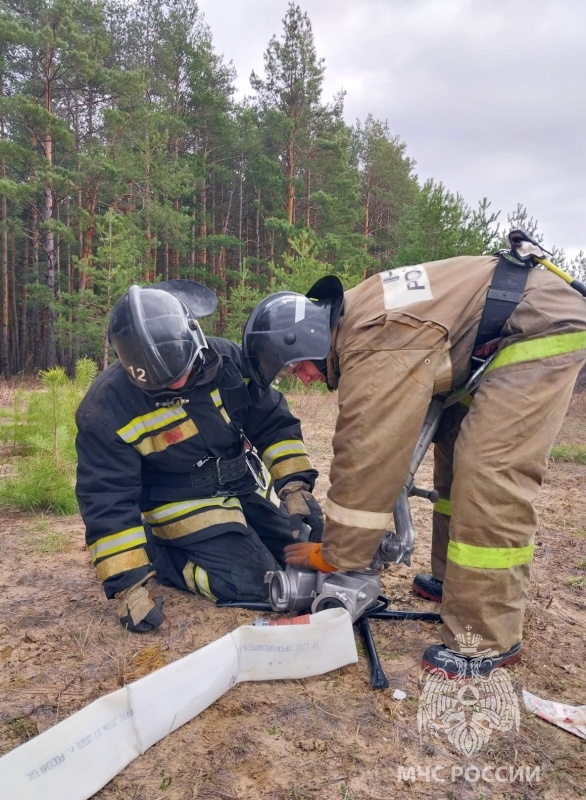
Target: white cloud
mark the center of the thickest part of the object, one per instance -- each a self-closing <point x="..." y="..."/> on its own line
<point x="486" y="95"/>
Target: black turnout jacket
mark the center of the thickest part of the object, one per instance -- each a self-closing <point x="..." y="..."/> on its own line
<point x="151" y="455"/>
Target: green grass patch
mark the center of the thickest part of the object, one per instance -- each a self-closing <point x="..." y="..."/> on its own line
<point x="42" y="538"/>
<point x="572" y="453"/>
<point x="575" y="583"/>
<point x="21" y="728"/>
<point x="41" y="485"/>
<point x="42" y="433"/>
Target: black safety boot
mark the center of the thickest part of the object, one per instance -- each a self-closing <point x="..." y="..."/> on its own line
<point x="428" y="587"/>
<point x="441" y="660"/>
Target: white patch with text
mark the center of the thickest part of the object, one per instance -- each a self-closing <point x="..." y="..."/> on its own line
<point x="405" y="286"/>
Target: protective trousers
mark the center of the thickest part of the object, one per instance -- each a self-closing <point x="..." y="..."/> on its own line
<point x="230" y="565"/>
<point x="490" y="460"/>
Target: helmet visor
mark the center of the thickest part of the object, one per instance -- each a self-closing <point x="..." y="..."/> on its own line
<point x="155" y="337"/>
<point x="284" y="329"/>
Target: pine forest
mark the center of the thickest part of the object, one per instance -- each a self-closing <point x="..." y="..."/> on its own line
<point x="126" y="157"/>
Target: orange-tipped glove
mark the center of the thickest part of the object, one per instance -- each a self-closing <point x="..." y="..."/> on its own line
<point x="308" y="556"/>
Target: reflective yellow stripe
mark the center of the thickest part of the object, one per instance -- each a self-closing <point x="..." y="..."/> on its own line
<point x="161" y="441"/>
<point x="171" y="511"/>
<point x="197" y="580"/>
<point x="121" y="563"/>
<point x="199" y="522"/>
<point x="155" y="420"/>
<point x="267" y="479"/>
<point x="188" y="573"/>
<point x="539" y="348"/>
<point x="117" y="542"/>
<point x="470" y="555"/>
<point x="272" y="496"/>
<point x="217" y="398"/>
<point x="287" y="447"/>
<point x="203" y="583"/>
<point x="443" y="506"/>
<point x="371" y="520"/>
<point x="290" y="466"/>
<point x="467" y="400"/>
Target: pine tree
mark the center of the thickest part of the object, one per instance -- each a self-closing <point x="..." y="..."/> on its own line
<point x="292" y="87"/>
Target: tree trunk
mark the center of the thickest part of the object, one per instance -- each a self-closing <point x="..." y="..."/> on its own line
<point x="47" y="214"/>
<point x="291" y="182"/>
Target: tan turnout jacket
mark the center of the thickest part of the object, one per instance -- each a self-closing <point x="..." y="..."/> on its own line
<point x="406" y="335"/>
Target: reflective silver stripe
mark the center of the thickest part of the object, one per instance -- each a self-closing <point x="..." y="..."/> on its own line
<point x="299" y="308"/>
<point x="171" y="511"/>
<point x="203" y="583"/>
<point x="150" y="422"/>
<point x="371" y="520"/>
<point x="117" y="542"/>
<point x="219" y="404"/>
<point x="287" y="447"/>
<point x="266" y="477"/>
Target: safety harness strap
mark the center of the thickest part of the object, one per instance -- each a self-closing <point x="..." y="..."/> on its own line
<point x="503" y="296"/>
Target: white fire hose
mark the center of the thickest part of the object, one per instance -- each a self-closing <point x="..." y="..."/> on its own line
<point x="78" y="756"/>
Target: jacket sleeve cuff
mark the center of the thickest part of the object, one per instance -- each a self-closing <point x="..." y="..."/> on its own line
<point x="316" y="560"/>
<point x="308" y="477"/>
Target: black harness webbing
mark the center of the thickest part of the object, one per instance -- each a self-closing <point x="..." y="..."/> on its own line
<point x="503" y="296"/>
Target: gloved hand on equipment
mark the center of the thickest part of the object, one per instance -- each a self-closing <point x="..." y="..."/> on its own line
<point x="305" y="555"/>
<point x="137" y="610"/>
<point x="303" y="508"/>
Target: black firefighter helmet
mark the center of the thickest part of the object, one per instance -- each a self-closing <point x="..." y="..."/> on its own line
<point x="287" y="327"/>
<point x="155" y="332"/>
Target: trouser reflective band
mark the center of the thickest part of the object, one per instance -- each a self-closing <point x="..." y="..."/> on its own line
<point x="197" y="580"/>
<point x="539" y="348"/>
<point x="443" y="506"/>
<point x="470" y="555"/>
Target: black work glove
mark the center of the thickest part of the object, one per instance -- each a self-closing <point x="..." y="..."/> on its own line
<point x="137" y="610"/>
<point x="303" y="508"/>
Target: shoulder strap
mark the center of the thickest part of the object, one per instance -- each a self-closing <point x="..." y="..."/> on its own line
<point x="503" y="296"/>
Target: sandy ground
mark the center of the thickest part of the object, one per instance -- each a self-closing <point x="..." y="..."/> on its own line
<point x="327" y="738"/>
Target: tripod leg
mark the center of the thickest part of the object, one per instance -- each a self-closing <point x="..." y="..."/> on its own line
<point x="378" y="679"/>
<point x="422" y="616"/>
<point x="251" y="606"/>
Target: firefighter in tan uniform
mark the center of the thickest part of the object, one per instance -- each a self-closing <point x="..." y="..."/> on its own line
<point x="183" y="462"/>
<point x="398" y="339"/>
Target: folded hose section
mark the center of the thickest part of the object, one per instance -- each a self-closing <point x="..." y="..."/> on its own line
<point x="78" y="756"/>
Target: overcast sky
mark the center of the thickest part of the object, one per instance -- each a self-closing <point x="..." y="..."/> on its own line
<point x="488" y="95"/>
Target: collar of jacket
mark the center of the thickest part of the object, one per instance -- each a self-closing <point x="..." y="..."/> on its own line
<point x="200" y="377"/>
<point x="332" y="362"/>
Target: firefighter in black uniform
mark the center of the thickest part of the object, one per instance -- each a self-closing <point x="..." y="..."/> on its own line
<point x="183" y="462"/>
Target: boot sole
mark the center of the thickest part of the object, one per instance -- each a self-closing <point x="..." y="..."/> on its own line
<point x="427" y="595"/>
<point x="429" y="667"/>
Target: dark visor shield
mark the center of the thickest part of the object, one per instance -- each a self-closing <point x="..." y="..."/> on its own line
<point x="284" y="328"/>
<point x="200" y="300"/>
<point x="155" y="337"/>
